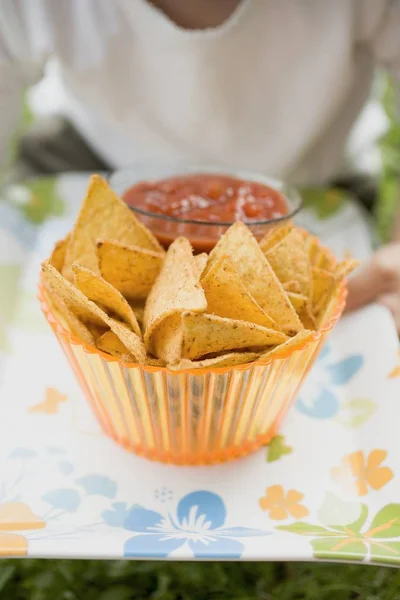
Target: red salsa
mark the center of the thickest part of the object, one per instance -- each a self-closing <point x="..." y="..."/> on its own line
<point x="204" y="197"/>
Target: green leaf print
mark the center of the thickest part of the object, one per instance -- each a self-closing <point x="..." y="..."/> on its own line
<point x="302" y="528"/>
<point x="344" y="549"/>
<point x="386" y="552"/>
<point x="9" y="280"/>
<point x="4" y="341"/>
<point x="28" y="315"/>
<point x="386" y="523"/>
<point x="356" y="412"/>
<point x="17" y="307"/>
<point x="356" y="525"/>
<point x="277" y="448"/>
<point x="338" y="514"/>
<point x="352" y="541"/>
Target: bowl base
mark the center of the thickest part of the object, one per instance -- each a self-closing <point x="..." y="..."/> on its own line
<point x="195" y="459"/>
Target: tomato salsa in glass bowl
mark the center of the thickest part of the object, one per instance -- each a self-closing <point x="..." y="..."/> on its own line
<point x="201" y="202"/>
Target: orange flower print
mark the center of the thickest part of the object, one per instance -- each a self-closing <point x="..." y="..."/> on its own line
<point x="16" y="516"/>
<point x="282" y="506"/>
<point x="13" y="544"/>
<point x="396" y="371"/>
<point x="357" y="473"/>
<point x="50" y="403"/>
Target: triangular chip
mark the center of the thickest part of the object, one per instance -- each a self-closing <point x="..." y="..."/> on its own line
<point x="345" y="267"/>
<point x="57" y="257"/>
<point x="274" y="235"/>
<point x="327" y="309"/>
<point x="224" y="360"/>
<point x="176" y="290"/>
<point x="227" y="297"/>
<point x="130" y="269"/>
<point x="205" y="334"/>
<point x="168" y="338"/>
<point x="323" y="287"/>
<point x="257" y="276"/>
<point x="111" y="344"/>
<point x="131" y="340"/>
<point x="292" y="286"/>
<point x="201" y="261"/>
<point x="300" y="338"/>
<point x="289" y="260"/>
<point x="67" y="318"/>
<point x="78" y="304"/>
<point x="318" y="255"/>
<point x="104" y="215"/>
<point x="138" y="309"/>
<point x="155" y="362"/>
<point x="298" y="301"/>
<point x="105" y="296"/>
<point x="307" y="317"/>
<point x="88" y="312"/>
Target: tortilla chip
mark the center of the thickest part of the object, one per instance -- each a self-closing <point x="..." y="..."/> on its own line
<point x="307" y="317"/>
<point x="111" y="344"/>
<point x="224" y="360"/>
<point x="72" y="297"/>
<point x="323" y="287"/>
<point x="329" y="305"/>
<point x="201" y="261"/>
<point x="345" y="267"/>
<point x="205" y="334"/>
<point x="303" y="336"/>
<point x="104" y="215"/>
<point x="318" y="255"/>
<point x="289" y="260"/>
<point x="131" y="340"/>
<point x="155" y="362"/>
<point x="130" y="269"/>
<point x="274" y="235"/>
<point x="227" y="297"/>
<point x="291" y="286"/>
<point x="67" y="318"/>
<point x="168" y="339"/>
<point x="57" y="257"/>
<point x="257" y="276"/>
<point x="298" y="301"/>
<point x="89" y="313"/>
<point x="138" y="310"/>
<point x="105" y="296"/>
<point x="176" y="290"/>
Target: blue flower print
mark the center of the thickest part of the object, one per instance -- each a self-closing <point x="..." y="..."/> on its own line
<point x="99" y="485"/>
<point x="64" y="499"/>
<point x="318" y="397"/>
<point x="22" y="453"/>
<point x="198" y="522"/>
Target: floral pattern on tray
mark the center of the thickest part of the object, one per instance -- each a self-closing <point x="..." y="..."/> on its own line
<point x="326" y="487"/>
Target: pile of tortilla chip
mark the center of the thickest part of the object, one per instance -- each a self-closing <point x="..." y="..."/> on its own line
<point x="113" y="286"/>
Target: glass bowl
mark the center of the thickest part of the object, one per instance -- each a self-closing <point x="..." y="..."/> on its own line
<point x="202" y="234"/>
<point x="194" y="416"/>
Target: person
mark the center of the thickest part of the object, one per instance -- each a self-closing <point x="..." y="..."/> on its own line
<point x="270" y="85"/>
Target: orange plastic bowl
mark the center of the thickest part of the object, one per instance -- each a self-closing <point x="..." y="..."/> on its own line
<point x="193" y="417"/>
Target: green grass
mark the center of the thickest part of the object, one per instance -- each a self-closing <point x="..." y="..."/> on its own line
<point x="119" y="580"/>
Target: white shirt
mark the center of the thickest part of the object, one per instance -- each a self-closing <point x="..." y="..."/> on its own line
<point x="276" y="88"/>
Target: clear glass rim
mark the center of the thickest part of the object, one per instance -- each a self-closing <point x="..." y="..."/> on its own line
<point x="290" y="193"/>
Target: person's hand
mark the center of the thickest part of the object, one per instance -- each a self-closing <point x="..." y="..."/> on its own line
<point x="378" y="281"/>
